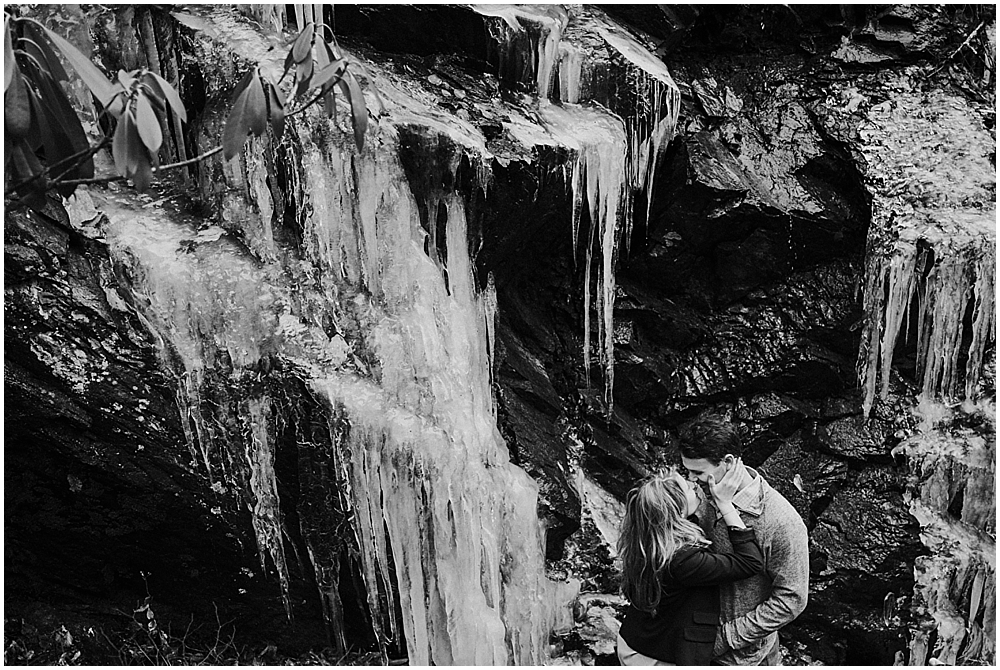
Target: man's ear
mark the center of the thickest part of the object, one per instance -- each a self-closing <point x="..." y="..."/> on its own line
<point x="729" y="460"/>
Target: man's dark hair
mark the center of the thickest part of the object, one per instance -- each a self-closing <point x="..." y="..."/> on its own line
<point x="710" y="437"/>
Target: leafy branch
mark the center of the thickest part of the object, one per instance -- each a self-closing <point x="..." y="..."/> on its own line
<point x="44" y="134"/>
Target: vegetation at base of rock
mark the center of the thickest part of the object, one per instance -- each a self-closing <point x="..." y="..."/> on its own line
<point x="131" y="640"/>
<point x="47" y="146"/>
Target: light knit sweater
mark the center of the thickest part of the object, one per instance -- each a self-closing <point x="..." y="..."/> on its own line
<point x="753" y="609"/>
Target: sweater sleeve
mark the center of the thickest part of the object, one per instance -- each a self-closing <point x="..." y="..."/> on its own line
<point x="702" y="566"/>
<point x="788" y="566"/>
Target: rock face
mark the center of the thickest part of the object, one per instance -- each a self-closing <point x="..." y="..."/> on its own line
<point x="397" y="391"/>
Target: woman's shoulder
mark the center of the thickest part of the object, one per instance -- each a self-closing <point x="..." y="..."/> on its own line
<point x="688" y="552"/>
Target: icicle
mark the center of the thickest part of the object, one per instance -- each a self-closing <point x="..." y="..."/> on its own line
<point x="548" y="50"/>
<point x="570" y="69"/>
<point x="599" y="181"/>
<point x="943" y="284"/>
<point x="650" y="125"/>
<point x="576" y="203"/>
<point x="490" y="314"/>
<point x="984" y="319"/>
<point x="188" y="400"/>
<point x="588" y="263"/>
<point x="264" y="486"/>
<point x="546" y="22"/>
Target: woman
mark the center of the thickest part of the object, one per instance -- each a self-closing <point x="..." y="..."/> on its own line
<point x="671" y="574"/>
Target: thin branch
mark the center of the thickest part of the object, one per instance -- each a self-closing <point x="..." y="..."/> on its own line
<point x="88" y="154"/>
<point x="79" y="157"/>
<point x="304" y="107"/>
<point x="190" y="161"/>
<point x="163" y="168"/>
<point x="955" y="52"/>
<point x="322" y="91"/>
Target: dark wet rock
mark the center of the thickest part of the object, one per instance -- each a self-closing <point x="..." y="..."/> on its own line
<point x="773" y="408"/>
<point x="767" y="338"/>
<point x="415" y="29"/>
<point x="861" y="556"/>
<point x="599" y="630"/>
<point x="525" y="428"/>
<point x="668" y="23"/>
<point x="866" y="528"/>
<point x="103" y="504"/>
<point x="737" y="212"/>
<point x="853" y="53"/>
<point x="854" y="437"/>
<point x="836" y="407"/>
<point x="805" y="478"/>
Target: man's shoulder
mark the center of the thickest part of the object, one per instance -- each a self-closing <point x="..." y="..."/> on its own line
<point x="776" y="506"/>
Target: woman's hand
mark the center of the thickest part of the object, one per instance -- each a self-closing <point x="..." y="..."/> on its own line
<point x="724" y="490"/>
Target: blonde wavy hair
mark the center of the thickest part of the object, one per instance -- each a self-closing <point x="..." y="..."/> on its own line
<point x="654" y="529"/>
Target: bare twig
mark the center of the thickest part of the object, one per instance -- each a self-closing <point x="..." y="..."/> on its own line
<point x="79" y="157"/>
<point x="954" y="53"/>
<point x="157" y="170"/>
<point x="322" y="91"/>
<point x="89" y="154"/>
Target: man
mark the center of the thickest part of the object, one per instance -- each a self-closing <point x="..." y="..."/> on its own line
<point x="753" y="609"/>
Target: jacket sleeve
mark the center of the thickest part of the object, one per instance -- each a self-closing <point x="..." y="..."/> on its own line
<point x="702" y="566"/>
<point x="788" y="566"/>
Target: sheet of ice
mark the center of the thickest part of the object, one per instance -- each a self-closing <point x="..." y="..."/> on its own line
<point x="207" y="308"/>
<point x="951" y="493"/>
<point x="430" y="475"/>
<point x="570" y="62"/>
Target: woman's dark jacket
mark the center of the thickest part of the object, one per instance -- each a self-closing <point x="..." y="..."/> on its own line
<point x="682" y="631"/>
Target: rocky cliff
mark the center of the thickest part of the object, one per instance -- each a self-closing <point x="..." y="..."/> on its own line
<point x="387" y="400"/>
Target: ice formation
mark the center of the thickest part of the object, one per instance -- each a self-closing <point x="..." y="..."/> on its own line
<point x="931" y="254"/>
<point x="598" y="182"/>
<point x="527" y="39"/>
<point x="384" y="320"/>
<point x="930" y="281"/>
<point x="939" y="278"/>
<point x="431" y="488"/>
<point x="430" y="475"/>
<point x="951" y="494"/>
<point x="617" y="153"/>
<point x="651" y="119"/>
<point x="208" y="310"/>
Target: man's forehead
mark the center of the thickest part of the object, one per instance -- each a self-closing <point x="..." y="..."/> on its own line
<point x="697" y="463"/>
